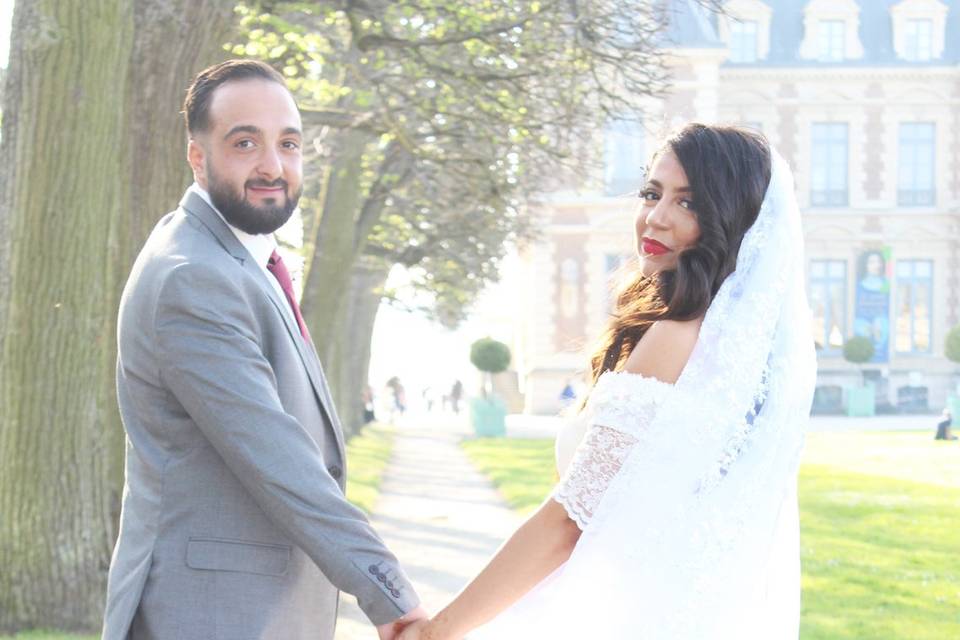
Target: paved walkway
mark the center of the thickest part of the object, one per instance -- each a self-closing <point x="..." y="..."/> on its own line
<point x="440" y="517"/>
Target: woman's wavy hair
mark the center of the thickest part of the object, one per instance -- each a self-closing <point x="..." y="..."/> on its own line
<point x="728" y="169"/>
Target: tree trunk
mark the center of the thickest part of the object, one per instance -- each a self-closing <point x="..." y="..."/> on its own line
<point x="349" y="359"/>
<point x="329" y="268"/>
<point x="91" y="155"/>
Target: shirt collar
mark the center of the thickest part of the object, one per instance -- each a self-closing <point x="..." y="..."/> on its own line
<point x="260" y="246"/>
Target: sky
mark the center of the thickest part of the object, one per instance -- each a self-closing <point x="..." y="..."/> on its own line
<point x="6" y="15"/>
<point x="424" y="354"/>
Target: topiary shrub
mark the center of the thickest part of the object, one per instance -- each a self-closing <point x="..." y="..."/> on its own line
<point x="489" y="412"/>
<point x="951" y="348"/>
<point x="489" y="355"/>
<point x="858" y="350"/>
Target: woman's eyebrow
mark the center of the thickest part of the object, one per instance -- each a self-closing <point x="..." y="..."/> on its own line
<point x="656" y="183"/>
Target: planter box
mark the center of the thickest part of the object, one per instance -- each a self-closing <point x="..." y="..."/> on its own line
<point x="861" y="401"/>
<point x="488" y="416"/>
<point x="953" y="404"/>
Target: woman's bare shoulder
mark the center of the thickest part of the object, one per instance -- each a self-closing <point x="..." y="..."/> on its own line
<point x="663" y="351"/>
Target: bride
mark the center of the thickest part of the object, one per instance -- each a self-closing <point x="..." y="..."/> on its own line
<point x="676" y="513"/>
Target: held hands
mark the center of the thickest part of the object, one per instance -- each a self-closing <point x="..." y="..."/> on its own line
<point x="432" y="629"/>
<point x="414" y="631"/>
<point x="393" y="630"/>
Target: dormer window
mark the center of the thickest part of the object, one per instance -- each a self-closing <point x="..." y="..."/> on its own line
<point x="831" y="31"/>
<point x="832" y="40"/>
<point x="745" y="27"/>
<point x="918" y="40"/>
<point x="743" y="41"/>
<point x="918" y="29"/>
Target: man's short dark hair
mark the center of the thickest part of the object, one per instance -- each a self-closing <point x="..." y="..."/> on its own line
<point x="196" y="104"/>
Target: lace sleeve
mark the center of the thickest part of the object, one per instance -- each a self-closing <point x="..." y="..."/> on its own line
<point x="595" y="464"/>
<point x="621" y="408"/>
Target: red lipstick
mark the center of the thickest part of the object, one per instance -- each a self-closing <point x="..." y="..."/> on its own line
<point x="652" y="247"/>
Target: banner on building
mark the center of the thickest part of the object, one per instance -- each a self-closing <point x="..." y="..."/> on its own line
<point x="871" y="316"/>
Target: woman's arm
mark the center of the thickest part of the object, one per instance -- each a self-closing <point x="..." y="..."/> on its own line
<point x="534" y="551"/>
<point x="547" y="538"/>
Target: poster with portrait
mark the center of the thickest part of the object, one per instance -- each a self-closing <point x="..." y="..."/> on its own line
<point x="871" y="316"/>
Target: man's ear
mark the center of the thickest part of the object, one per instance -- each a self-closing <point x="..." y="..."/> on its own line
<point x="196" y="156"/>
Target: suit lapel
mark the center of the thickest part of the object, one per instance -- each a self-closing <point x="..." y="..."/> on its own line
<point x="198" y="207"/>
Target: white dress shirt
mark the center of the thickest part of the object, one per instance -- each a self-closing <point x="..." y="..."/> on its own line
<point x="260" y="246"/>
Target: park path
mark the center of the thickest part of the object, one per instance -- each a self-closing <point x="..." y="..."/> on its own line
<point x="436" y="512"/>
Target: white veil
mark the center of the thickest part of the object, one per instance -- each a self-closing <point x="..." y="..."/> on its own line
<point x="697" y="536"/>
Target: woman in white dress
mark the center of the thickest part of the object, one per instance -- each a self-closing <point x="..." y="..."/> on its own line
<point x="676" y="513"/>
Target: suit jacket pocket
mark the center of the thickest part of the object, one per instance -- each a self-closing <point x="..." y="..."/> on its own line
<point x="222" y="554"/>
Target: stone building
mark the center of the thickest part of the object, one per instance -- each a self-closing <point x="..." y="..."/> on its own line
<point x="861" y="98"/>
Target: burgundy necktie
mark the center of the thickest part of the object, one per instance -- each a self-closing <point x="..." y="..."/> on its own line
<point x="279" y="270"/>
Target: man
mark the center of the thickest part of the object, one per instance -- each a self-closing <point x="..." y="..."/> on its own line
<point x="234" y="520"/>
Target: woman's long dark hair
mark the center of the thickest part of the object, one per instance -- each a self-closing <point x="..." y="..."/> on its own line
<point x="728" y="169"/>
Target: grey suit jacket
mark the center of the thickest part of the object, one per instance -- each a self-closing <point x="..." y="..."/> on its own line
<point x="234" y="521"/>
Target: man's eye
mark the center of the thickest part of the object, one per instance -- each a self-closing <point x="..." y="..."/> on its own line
<point x="290" y="144"/>
<point x="244" y="144"/>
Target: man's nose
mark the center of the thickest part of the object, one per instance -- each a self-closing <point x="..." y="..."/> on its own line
<point x="270" y="166"/>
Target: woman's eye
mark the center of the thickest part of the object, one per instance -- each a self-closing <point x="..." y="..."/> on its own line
<point x="649" y="196"/>
<point x="686" y="204"/>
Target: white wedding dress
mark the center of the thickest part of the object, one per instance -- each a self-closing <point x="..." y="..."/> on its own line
<point x="686" y="493"/>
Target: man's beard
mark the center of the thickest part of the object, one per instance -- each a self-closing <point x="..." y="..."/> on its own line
<point x="244" y="215"/>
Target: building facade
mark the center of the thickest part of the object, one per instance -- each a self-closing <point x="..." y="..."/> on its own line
<point x="861" y="98"/>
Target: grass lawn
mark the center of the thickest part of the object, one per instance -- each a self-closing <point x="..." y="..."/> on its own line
<point x="880" y="529"/>
<point x="367" y="456"/>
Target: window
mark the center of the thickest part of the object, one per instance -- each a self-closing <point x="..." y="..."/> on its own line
<point x="920" y="30"/>
<point x="915" y="185"/>
<point x="832" y="40"/>
<point x="743" y="41"/>
<point x="828" y="302"/>
<point x="918" y="40"/>
<point x="914" y="296"/>
<point x="613" y="263"/>
<point x="829" y="165"/>
<point x="624" y="159"/>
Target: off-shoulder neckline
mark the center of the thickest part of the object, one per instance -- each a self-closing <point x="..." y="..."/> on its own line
<point x="629" y="375"/>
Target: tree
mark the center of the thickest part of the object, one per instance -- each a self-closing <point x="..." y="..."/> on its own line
<point x="489" y="356"/>
<point x="430" y="111"/>
<point x="951" y="346"/>
<point x="92" y="155"/>
<point x="859" y="350"/>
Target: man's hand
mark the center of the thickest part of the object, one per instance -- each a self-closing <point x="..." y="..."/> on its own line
<point x="413" y="631"/>
<point x="391" y="630"/>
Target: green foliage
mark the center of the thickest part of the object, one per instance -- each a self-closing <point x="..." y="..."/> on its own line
<point x="489" y="355"/>
<point x="880" y="555"/>
<point x="858" y="349"/>
<point x="951" y="346"/>
<point x="468" y="108"/>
